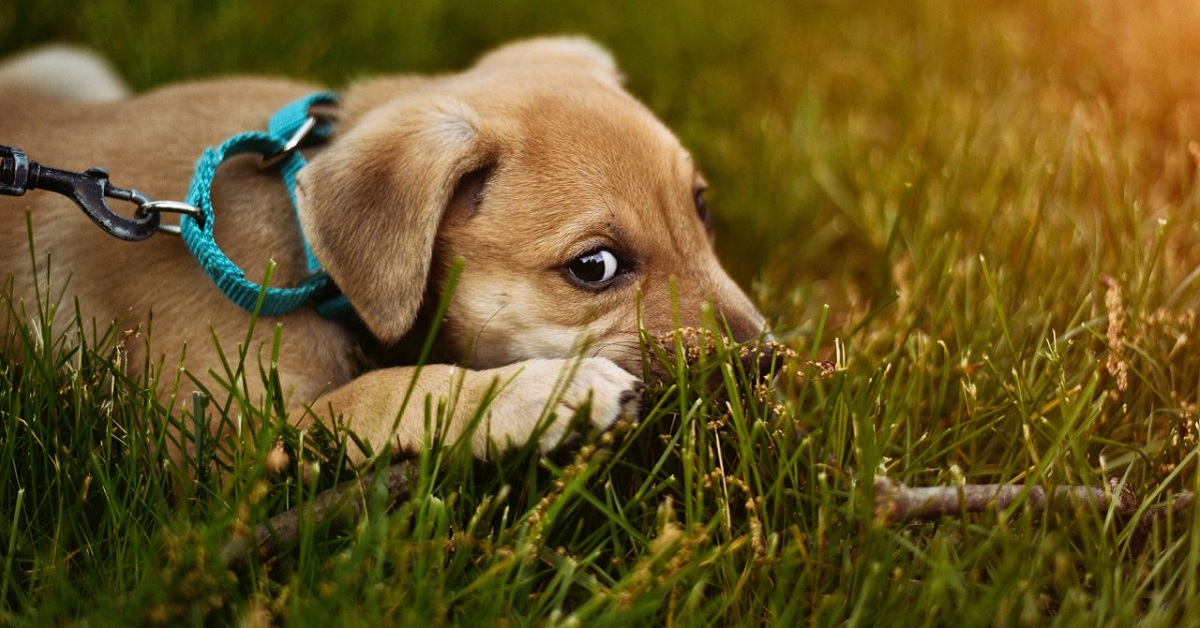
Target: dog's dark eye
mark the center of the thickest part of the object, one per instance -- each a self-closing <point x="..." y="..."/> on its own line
<point x="596" y="268"/>
<point x="702" y="208"/>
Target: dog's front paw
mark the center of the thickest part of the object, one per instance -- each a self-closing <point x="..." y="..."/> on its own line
<point x="609" y="392"/>
<point x="546" y="399"/>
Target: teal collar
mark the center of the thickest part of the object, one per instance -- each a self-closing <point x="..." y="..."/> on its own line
<point x="288" y="129"/>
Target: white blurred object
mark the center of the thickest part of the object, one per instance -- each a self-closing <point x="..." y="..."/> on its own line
<point x="65" y="73"/>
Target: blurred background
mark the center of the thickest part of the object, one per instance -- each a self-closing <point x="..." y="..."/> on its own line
<point x="860" y="152"/>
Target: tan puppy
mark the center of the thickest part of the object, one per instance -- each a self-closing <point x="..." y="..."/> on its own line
<point x="573" y="209"/>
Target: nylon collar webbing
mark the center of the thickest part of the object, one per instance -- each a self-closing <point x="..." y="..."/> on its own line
<point x="287" y="128"/>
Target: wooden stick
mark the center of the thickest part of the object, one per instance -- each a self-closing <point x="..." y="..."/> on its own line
<point x="347" y="497"/>
<point x="897" y="503"/>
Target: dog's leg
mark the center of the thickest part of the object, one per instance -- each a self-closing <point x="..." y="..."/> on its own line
<point x="514" y="404"/>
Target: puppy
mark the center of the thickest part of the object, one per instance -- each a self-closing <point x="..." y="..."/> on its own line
<point x="576" y="215"/>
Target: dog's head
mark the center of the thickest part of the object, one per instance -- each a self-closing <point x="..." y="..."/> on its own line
<point x="577" y="213"/>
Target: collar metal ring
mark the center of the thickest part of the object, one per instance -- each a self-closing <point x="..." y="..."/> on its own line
<point x="171" y="207"/>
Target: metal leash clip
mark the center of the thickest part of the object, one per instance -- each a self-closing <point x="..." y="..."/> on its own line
<point x="89" y="189"/>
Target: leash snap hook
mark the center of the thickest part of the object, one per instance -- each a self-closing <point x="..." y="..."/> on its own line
<point x="87" y="189"/>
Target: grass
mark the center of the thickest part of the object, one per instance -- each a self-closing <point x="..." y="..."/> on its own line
<point x="984" y="212"/>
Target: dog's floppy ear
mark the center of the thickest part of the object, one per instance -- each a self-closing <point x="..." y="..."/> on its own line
<point x="371" y="203"/>
<point x="580" y="52"/>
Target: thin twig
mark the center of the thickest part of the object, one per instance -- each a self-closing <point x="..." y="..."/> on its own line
<point x="347" y="497"/>
<point x="1178" y="503"/>
<point x="1175" y="505"/>
<point x="896" y="502"/>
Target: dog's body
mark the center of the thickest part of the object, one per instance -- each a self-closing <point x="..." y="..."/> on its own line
<point x="574" y="210"/>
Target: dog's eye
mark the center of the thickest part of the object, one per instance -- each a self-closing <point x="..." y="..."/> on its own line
<point x="702" y="208"/>
<point x="595" y="269"/>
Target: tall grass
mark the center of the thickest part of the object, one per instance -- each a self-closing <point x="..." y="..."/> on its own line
<point x="982" y="213"/>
